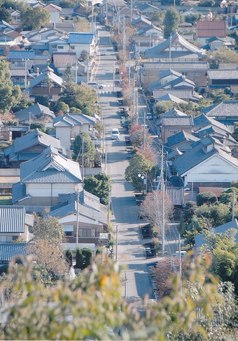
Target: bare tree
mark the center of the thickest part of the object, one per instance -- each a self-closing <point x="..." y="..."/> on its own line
<point x="151" y="208"/>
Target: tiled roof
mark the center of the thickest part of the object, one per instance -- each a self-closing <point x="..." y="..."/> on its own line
<point x="80" y="38"/>
<point x="8" y="251"/>
<point x="34" y="111"/>
<point x="169" y="97"/>
<point x="74" y="120"/>
<point x="46" y="75"/>
<point x="63" y="59"/>
<point x="177" y="121"/>
<point x="32" y="138"/>
<point x="222" y="74"/>
<point x="50" y="167"/>
<point x="203" y="121"/>
<point x="208" y="28"/>
<point x="12" y="219"/>
<point x="200" y="239"/>
<point x="18" y="192"/>
<point x="180" y="137"/>
<point x="225" y="108"/>
<point x="197" y="155"/>
<point x="178" y="39"/>
<point x="173" y="113"/>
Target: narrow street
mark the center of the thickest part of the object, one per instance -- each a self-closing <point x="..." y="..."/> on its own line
<point x="131" y="254"/>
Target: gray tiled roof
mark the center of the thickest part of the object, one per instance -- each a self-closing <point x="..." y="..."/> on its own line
<point x="8" y="251"/>
<point x="203" y="121"/>
<point x="35" y="110"/>
<point x="50" y="167"/>
<point x="180" y="137"/>
<point x="169" y="97"/>
<point x="18" y="192"/>
<point x="12" y="219"/>
<point x="197" y="155"/>
<point x="86" y="210"/>
<point x="46" y="75"/>
<point x="222" y="74"/>
<point x="200" y="239"/>
<point x="32" y="138"/>
<point x="174" y="113"/>
<point x="176" y="37"/>
<point x="177" y="121"/>
<point x="74" y="119"/>
<point x="225" y="108"/>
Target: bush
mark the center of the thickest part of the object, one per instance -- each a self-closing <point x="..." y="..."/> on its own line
<point x="79" y="259"/>
<point x="69" y="257"/>
<point x="206" y="198"/>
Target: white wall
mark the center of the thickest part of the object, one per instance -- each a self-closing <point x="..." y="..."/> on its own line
<point x="63" y="134"/>
<point x="215" y="169"/>
<point x="49" y="190"/>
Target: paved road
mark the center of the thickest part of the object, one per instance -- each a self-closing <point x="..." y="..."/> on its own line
<point x="130" y="249"/>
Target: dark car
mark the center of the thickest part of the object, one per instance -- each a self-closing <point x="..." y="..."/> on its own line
<point x="149" y="253"/>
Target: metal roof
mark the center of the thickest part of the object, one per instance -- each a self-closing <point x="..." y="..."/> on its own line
<point x="8" y="251"/>
<point x="12" y="219"/>
<point x="80" y="38"/>
<point x="222" y="74"/>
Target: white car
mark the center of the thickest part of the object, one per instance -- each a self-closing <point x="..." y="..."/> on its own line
<point x="115" y="134"/>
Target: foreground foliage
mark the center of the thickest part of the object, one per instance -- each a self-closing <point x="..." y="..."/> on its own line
<point x="91" y="306"/>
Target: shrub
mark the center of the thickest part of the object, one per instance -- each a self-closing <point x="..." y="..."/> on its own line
<point x="206" y="198"/>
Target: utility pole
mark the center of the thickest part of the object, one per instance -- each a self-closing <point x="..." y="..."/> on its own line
<point x="124" y="37"/>
<point x="116" y="243"/>
<point x="77" y="220"/>
<point x="163" y="201"/>
<point x="82" y="158"/>
<point x="180" y="263"/>
<point x="131" y="10"/>
<point x="114" y="76"/>
<point x="106" y="12"/>
<point x="76" y="72"/>
<point x="144" y="129"/>
<point x="233" y="204"/>
<point x="125" y="279"/>
<point x="170" y="38"/>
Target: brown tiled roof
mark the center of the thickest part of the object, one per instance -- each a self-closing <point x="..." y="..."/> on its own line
<point x="64" y="59"/>
<point x="215" y="190"/>
<point x="206" y="29"/>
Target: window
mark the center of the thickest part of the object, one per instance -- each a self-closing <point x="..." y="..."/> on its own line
<point x="68" y="233"/>
<point x="60" y="47"/>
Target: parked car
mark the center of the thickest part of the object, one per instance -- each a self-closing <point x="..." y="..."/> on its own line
<point x="115" y="134"/>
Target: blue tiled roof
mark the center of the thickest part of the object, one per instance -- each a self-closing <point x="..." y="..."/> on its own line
<point x="8" y="251"/>
<point x="22" y="54"/>
<point x="80" y="38"/>
<point x="18" y="192"/>
<point x="180" y="137"/>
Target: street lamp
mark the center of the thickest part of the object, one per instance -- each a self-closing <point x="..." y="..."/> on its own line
<point x="143" y="176"/>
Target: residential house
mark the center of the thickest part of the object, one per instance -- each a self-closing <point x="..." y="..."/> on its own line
<point x="220" y="79"/>
<point x="82" y="42"/>
<point x="170" y="98"/>
<point x="201" y="239"/>
<point x="44" y="178"/>
<point x="225" y="112"/>
<point x="194" y="70"/>
<point x="174" y="121"/>
<point x="54" y="11"/>
<point x="10" y="38"/>
<point x="181" y="141"/>
<point x="47" y="84"/>
<point x="27" y="61"/>
<point x="206" y="29"/>
<point x="146" y="9"/>
<point x="208" y="163"/>
<point x="45" y="34"/>
<point x="15" y="16"/>
<point x="175" y="47"/>
<point x="215" y="43"/>
<point x="29" y="146"/>
<point x="36" y="113"/>
<point x="207" y="126"/>
<point x="15" y="224"/>
<point x="62" y="60"/>
<point x="92" y="218"/>
<point x="70" y="125"/>
<point x="20" y="77"/>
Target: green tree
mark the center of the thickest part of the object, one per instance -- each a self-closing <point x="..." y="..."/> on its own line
<point x="138" y="165"/>
<point x="235" y="132"/>
<point x="171" y="21"/>
<point x="4" y="14"/>
<point x="206" y="198"/>
<point x="99" y="185"/>
<point x="49" y="229"/>
<point x="162" y="107"/>
<point x="92" y="307"/>
<point x="69" y="257"/>
<point x="223" y="55"/>
<point x="61" y="108"/>
<point x="68" y="76"/>
<point x="34" y="18"/>
<point x="9" y="94"/>
<point x="84" y="150"/>
<point x="79" y="259"/>
<point x="81" y="97"/>
<point x="87" y="257"/>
